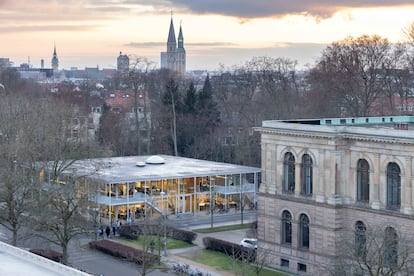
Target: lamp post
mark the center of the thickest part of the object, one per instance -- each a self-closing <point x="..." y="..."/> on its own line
<point x="164" y="215"/>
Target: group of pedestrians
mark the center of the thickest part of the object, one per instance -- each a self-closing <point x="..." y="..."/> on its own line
<point x="114" y="226"/>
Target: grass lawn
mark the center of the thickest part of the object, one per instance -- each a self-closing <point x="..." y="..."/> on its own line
<point x="223" y="228"/>
<point x="227" y="263"/>
<point x="146" y="240"/>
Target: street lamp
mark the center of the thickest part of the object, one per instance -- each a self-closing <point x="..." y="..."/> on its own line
<point x="164" y="214"/>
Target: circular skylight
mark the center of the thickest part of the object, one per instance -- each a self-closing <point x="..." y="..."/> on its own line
<point x="140" y="164"/>
<point x="155" y="159"/>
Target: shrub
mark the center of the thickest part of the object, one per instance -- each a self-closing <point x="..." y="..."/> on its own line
<point x="123" y="251"/>
<point x="130" y="232"/>
<point x="173" y="233"/>
<point x="230" y="249"/>
<point x="48" y="253"/>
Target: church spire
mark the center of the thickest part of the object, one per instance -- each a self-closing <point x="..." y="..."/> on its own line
<point x="180" y="39"/>
<point x="55" y="60"/>
<point x="171" y="37"/>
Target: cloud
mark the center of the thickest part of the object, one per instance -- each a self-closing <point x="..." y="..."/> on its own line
<point x="47" y="28"/>
<point x="244" y="10"/>
<point x="271" y="8"/>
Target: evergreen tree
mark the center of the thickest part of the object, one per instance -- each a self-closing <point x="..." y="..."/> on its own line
<point x="190" y="100"/>
<point x="207" y="107"/>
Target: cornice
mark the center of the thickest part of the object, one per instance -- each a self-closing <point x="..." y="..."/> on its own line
<point x="337" y="135"/>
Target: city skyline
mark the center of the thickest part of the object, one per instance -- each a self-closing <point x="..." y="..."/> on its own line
<point x="91" y="33"/>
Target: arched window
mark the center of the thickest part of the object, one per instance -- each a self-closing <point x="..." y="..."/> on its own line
<point x="393" y="186"/>
<point x="289" y="173"/>
<point x="303" y="231"/>
<point x="306" y="175"/>
<point x="360" y="239"/>
<point x="363" y="180"/>
<point x="391" y="248"/>
<point x="286" y="227"/>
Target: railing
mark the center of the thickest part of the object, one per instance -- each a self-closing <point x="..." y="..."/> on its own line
<point x="245" y="188"/>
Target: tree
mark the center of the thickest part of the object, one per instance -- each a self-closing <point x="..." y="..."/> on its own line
<point x="276" y="80"/>
<point x="190" y="100"/>
<point x="18" y="179"/>
<point x="350" y="74"/>
<point x="172" y="101"/>
<point x="136" y="79"/>
<point x="372" y="251"/>
<point x="60" y="216"/>
<point x="60" y="197"/>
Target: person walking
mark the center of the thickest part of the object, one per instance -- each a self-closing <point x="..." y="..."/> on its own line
<point x="107" y="231"/>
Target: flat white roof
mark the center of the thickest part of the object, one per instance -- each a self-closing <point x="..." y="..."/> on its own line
<point x="16" y="261"/>
<point x="135" y="168"/>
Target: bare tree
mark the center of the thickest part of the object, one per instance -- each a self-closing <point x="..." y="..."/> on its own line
<point x="352" y="71"/>
<point x="373" y="252"/>
<point x="61" y="197"/>
<point x="172" y="101"/>
<point x="136" y="78"/>
<point x="18" y="179"/>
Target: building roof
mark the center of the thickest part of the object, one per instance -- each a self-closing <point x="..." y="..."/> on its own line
<point x="135" y="168"/>
<point x="391" y="129"/>
<point x="16" y="261"/>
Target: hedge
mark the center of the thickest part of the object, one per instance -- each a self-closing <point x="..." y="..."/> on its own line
<point x="231" y="249"/>
<point x="123" y="251"/>
<point x="134" y="231"/>
<point x="48" y="253"/>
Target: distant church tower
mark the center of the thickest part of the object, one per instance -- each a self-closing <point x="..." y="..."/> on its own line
<point x="174" y="59"/>
<point x="55" y="61"/>
<point x="122" y="62"/>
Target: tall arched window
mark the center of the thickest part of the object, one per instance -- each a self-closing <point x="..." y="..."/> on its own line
<point x="286" y="227"/>
<point x="391" y="247"/>
<point x="363" y="180"/>
<point x="303" y="231"/>
<point x="393" y="186"/>
<point x="306" y="175"/>
<point x="289" y="173"/>
<point x="360" y="239"/>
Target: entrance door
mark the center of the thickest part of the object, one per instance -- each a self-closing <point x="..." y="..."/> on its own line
<point x="184" y="203"/>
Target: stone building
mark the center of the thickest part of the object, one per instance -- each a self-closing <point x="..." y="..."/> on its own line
<point x="324" y="178"/>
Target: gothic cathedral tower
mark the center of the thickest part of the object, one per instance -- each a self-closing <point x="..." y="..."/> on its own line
<point x="174" y="58"/>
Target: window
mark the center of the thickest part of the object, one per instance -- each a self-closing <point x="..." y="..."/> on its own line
<point x="286" y="227"/>
<point x="303" y="231"/>
<point x="289" y="173"/>
<point x="391" y="248"/>
<point x="301" y="267"/>
<point x="284" y="263"/>
<point x="393" y="186"/>
<point x="362" y="180"/>
<point x="306" y="176"/>
<point x="360" y="239"/>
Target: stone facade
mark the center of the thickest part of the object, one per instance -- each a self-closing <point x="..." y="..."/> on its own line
<point x="336" y="201"/>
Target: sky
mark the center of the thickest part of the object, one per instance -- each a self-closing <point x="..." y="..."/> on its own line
<point x="217" y="33"/>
